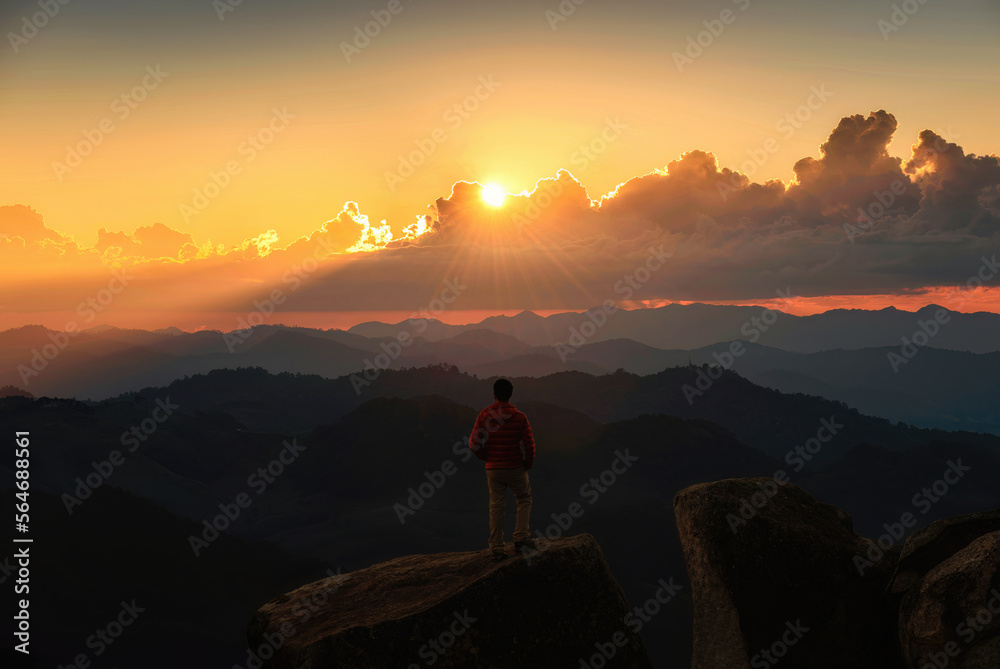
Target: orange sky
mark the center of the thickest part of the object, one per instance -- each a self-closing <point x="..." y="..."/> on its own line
<point x="215" y="142"/>
<point x="955" y="299"/>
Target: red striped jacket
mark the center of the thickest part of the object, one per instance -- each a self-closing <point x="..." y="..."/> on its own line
<point x="499" y="433"/>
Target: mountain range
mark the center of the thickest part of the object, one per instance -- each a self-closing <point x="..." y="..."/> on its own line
<point x="947" y="382"/>
<point x="363" y="459"/>
<point x="350" y="447"/>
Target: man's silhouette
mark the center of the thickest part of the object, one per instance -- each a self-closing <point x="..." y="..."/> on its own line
<point x="498" y="437"/>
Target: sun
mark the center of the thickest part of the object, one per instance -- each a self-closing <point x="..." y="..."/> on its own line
<point x="494" y="195"/>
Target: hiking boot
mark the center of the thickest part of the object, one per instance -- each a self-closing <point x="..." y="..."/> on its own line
<point x="527" y="543"/>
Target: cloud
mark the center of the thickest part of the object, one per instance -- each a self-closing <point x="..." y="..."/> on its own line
<point x="27" y="244"/>
<point x="26" y="223"/>
<point x="556" y="210"/>
<point x="959" y="192"/>
<point x="146" y="243"/>
<point x="857" y="148"/>
<point x="854" y="220"/>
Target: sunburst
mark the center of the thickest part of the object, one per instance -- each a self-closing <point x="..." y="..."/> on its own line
<point x="494" y="195"/>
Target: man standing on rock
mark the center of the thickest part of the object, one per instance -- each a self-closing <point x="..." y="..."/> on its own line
<point x="502" y="437"/>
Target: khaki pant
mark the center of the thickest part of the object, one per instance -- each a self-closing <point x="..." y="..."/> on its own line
<point x="515" y="478"/>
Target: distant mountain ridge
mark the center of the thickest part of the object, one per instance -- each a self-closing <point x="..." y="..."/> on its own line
<point x="927" y="385"/>
<point x="766" y="419"/>
<point x="676" y="326"/>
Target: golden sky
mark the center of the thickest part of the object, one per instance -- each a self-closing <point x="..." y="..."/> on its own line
<point x="215" y="139"/>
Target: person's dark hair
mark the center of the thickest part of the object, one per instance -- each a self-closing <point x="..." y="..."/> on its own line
<point x="503" y="389"/>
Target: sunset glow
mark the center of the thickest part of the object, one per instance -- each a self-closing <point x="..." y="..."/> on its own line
<point x="494" y="195"/>
<point x="263" y="264"/>
<point x="212" y="168"/>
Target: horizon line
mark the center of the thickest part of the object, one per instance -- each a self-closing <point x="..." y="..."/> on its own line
<point x="299" y="323"/>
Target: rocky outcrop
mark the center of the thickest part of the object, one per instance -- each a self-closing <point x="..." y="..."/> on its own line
<point x="777" y="576"/>
<point x="928" y="547"/>
<point x="949" y="582"/>
<point x="558" y="606"/>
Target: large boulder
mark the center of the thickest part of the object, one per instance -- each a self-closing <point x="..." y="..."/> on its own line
<point x="558" y="606"/>
<point x="930" y="546"/>
<point x="778" y="577"/>
<point x="951" y="615"/>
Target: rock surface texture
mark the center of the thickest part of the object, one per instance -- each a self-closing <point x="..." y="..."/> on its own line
<point x="949" y="582"/>
<point x="553" y="607"/>
<point x="779" y="578"/>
